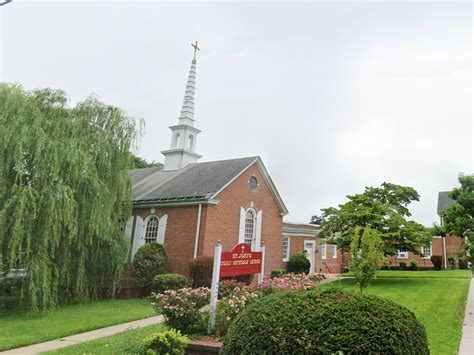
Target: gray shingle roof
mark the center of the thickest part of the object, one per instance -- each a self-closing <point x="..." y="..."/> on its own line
<point x="444" y="201"/>
<point x="195" y="181"/>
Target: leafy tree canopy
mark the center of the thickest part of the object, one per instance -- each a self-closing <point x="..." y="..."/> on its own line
<point x="383" y="209"/>
<point x="64" y="193"/>
<point x="140" y="163"/>
<point x="458" y="218"/>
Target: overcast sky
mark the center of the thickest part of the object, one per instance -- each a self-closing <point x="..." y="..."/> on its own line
<point x="332" y="96"/>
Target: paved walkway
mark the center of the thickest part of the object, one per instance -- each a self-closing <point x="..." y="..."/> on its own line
<point x="83" y="337"/>
<point x="467" y="341"/>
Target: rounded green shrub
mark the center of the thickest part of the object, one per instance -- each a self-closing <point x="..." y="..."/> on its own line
<point x="200" y="269"/>
<point x="169" y="342"/>
<point x="149" y="261"/>
<point x="298" y="264"/>
<point x="413" y="264"/>
<point x="164" y="282"/>
<point x="328" y="322"/>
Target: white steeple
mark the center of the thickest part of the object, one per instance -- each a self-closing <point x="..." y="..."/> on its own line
<point x="184" y="134"/>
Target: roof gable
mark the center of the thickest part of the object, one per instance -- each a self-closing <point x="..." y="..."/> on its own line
<point x="268" y="181"/>
<point x="195" y="182"/>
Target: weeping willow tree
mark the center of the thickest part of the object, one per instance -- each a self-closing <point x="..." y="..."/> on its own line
<point x="64" y="194"/>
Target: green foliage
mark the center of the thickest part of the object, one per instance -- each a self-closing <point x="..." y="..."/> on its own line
<point x="298" y="264"/>
<point x="413" y="264"/>
<point x="403" y="265"/>
<point x="458" y="218"/>
<point x="326" y="322"/>
<point x="231" y="306"/>
<point x="228" y="286"/>
<point x="387" y="265"/>
<point x="64" y="193"/>
<point x="25" y="328"/>
<point x="171" y="342"/>
<point x="164" y="282"/>
<point x="200" y="270"/>
<point x="366" y="255"/>
<point x="384" y="209"/>
<point x="139" y="163"/>
<point x="437" y="261"/>
<point x="182" y="308"/>
<point x="277" y="273"/>
<point x="149" y="261"/>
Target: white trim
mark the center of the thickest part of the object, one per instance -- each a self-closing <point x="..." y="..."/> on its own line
<point x="431" y="252"/>
<point x="242" y="225"/>
<point x="334" y="251"/>
<point x="198" y="227"/>
<point x="312" y="260"/>
<point x="288" y="247"/>
<point x="160" y="236"/>
<point x="138" y="235"/>
<point x="258" y="231"/>
<point x="266" y="178"/>
<point x="401" y="254"/>
<point x="324" y="251"/>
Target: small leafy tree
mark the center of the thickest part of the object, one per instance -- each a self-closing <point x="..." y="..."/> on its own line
<point x="367" y="254"/>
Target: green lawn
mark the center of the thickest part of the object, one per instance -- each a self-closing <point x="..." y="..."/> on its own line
<point x="25" y="328"/>
<point x="124" y="343"/>
<point x="437" y="302"/>
<point x="443" y="274"/>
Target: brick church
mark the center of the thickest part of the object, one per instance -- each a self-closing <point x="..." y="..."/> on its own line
<point x="188" y="205"/>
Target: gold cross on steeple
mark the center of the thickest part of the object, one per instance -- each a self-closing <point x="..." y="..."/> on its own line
<point x="196" y="48"/>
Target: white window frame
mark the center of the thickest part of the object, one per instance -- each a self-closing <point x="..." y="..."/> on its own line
<point x="155" y="229"/>
<point x="287" y="257"/>
<point x="403" y="254"/>
<point x="253" y="227"/>
<point x="431" y="251"/>
<point x="334" y="251"/>
<point x="323" y="249"/>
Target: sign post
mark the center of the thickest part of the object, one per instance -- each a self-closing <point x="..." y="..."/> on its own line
<point x="215" y="286"/>
<point x="240" y="261"/>
<point x="262" y="271"/>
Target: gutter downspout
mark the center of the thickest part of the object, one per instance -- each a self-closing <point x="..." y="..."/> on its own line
<point x="198" y="227"/>
<point x="444" y="253"/>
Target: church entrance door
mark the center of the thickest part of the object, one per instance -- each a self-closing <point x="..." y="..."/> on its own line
<point x="310" y="248"/>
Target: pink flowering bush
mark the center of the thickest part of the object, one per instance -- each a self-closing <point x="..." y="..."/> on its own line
<point x="296" y="282"/>
<point x="228" y="286"/>
<point x="230" y="306"/>
<point x="182" y="308"/>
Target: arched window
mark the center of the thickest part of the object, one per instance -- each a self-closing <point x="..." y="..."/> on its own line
<point x="249" y="227"/>
<point x="177" y="140"/>
<point x="190" y="141"/>
<point x="151" y="231"/>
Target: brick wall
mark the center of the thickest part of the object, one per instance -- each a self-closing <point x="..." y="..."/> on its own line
<point x="222" y="220"/>
<point x="454" y="245"/>
<point x="179" y="236"/>
<point x="328" y="265"/>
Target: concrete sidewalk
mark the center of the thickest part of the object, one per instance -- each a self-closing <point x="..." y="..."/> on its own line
<point x="83" y="337"/>
<point x="467" y="341"/>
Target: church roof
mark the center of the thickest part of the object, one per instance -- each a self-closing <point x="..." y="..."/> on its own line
<point x="194" y="182"/>
<point x="444" y="201"/>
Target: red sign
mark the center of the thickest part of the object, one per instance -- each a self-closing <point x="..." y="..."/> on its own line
<point x="241" y="261"/>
